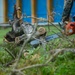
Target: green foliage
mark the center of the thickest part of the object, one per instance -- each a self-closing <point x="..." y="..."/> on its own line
<point x="65" y="64"/>
<point x="13" y="48"/>
<point x="4" y="57"/>
<point x="3" y="32"/>
<point x="62" y="65"/>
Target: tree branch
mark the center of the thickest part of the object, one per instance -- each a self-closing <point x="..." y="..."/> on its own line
<point x="22" y="48"/>
<point x="10" y="53"/>
<point x="32" y="66"/>
<point x="57" y="51"/>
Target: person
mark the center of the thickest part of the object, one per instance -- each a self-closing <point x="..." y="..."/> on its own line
<point x="17" y="19"/>
<point x="74" y="17"/>
<point x="67" y="10"/>
<point x="68" y="26"/>
<point x="17" y="12"/>
<point x="15" y="23"/>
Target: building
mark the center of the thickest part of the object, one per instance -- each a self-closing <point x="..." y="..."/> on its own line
<point x="35" y="8"/>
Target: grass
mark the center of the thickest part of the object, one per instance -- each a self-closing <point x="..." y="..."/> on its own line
<point x="3" y="32"/>
<point x="63" y="65"/>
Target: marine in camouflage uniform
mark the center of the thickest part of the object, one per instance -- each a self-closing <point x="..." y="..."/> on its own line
<point x="67" y="10"/>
